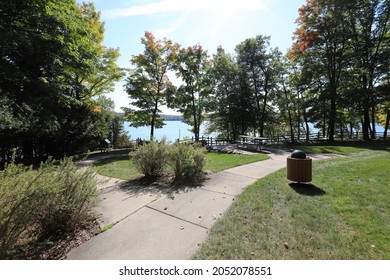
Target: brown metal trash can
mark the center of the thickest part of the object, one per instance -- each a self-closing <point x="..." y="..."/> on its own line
<point x="299" y="170"/>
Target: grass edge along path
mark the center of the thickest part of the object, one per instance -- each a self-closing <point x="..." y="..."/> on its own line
<point x="343" y="214"/>
<point x="122" y="167"/>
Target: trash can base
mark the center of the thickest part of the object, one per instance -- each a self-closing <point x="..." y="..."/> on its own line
<point x="299" y="170"/>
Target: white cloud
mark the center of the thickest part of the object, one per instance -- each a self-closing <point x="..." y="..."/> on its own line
<point x="166" y="31"/>
<point x="165" y="6"/>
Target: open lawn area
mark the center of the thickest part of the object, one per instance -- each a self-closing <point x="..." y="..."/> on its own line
<point x="343" y="214"/>
<point x="343" y="150"/>
<point x="122" y="167"/>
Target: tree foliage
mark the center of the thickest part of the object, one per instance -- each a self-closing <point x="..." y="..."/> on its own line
<point x="148" y="84"/>
<point x="232" y="107"/>
<point x="52" y="63"/>
<point x="258" y="63"/>
<point x="346" y="46"/>
<point x="192" y="66"/>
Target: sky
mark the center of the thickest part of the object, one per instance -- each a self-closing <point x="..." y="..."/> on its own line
<point x="211" y="23"/>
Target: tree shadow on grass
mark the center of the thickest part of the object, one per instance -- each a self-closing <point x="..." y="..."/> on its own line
<point x="165" y="185"/>
<point x="109" y="159"/>
<point x="307" y="189"/>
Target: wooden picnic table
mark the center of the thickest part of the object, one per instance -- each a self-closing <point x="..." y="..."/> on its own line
<point x="251" y="142"/>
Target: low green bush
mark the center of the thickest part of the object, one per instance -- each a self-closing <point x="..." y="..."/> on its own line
<point x="187" y="161"/>
<point x="151" y="159"/>
<point x="70" y="196"/>
<point x="20" y="202"/>
<point x="54" y="199"/>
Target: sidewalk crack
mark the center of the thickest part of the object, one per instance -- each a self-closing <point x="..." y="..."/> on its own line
<point x="184" y="220"/>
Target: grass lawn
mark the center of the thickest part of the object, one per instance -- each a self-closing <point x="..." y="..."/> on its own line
<point x="122" y="167"/>
<point x="218" y="162"/>
<point x="343" y="214"/>
<point x="341" y="150"/>
<point x="117" y="167"/>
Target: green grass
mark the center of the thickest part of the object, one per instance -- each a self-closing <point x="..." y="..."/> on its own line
<point x="122" y="167"/>
<point x="343" y="214"/>
<point x="218" y="162"/>
<point x="117" y="167"/>
<point x="343" y="150"/>
<point x="339" y="150"/>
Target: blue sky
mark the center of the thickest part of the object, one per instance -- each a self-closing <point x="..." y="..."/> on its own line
<point x="208" y="22"/>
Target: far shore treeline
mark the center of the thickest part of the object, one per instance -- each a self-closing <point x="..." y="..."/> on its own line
<point x="55" y="72"/>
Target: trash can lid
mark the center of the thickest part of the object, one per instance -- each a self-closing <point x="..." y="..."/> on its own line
<point x="298" y="154"/>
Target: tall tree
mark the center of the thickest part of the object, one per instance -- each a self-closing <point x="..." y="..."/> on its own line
<point x="42" y="47"/>
<point x="370" y="25"/>
<point x="322" y="37"/>
<point x="231" y="108"/>
<point x="191" y="66"/>
<point x="257" y="61"/>
<point x="148" y="84"/>
<point x="96" y="70"/>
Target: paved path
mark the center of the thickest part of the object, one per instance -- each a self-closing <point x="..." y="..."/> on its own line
<point x="152" y="224"/>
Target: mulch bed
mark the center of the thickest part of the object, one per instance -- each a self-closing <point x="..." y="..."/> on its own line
<point x="55" y="248"/>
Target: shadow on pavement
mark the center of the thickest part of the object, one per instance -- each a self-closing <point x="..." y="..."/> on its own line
<point x="163" y="185"/>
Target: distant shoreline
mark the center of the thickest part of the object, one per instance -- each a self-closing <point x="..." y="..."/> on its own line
<point x="164" y="116"/>
<point x="171" y="117"/>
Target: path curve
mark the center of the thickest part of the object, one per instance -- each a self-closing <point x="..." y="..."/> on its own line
<point x="147" y="224"/>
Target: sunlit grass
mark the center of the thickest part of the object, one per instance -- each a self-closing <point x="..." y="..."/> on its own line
<point x="343" y="150"/>
<point x="218" y="162"/>
<point x="343" y="214"/>
<point x="124" y="168"/>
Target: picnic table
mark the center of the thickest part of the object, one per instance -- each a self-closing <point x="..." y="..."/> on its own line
<point x="253" y="143"/>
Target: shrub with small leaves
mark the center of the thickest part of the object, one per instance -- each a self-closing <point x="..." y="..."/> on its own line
<point x="20" y="201"/>
<point x="187" y="161"/>
<point x="151" y="159"/>
<point x="54" y="199"/>
<point x="70" y="196"/>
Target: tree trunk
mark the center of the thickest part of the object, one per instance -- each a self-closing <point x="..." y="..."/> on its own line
<point x="373" y="131"/>
<point x="289" y="116"/>
<point x="263" y="113"/>
<point x="28" y="154"/>
<point x="196" y="132"/>
<point x="153" y="123"/>
<point x="387" y="124"/>
<point x="299" y="117"/>
<point x="366" y="123"/>
<point x="332" y="113"/>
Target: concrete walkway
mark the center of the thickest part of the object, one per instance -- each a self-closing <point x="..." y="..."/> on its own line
<point x="167" y="224"/>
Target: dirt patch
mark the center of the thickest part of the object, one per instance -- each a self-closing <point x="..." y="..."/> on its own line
<point x="55" y="248"/>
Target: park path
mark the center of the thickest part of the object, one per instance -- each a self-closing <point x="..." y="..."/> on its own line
<point x="149" y="223"/>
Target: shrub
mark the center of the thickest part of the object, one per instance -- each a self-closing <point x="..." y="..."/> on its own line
<point x="50" y="200"/>
<point x="70" y="196"/>
<point x="20" y="201"/>
<point x="151" y="158"/>
<point x="187" y="161"/>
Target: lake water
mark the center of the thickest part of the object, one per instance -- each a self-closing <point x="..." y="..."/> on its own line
<point x="172" y="130"/>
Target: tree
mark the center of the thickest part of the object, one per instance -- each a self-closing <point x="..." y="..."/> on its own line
<point x="231" y="109"/>
<point x="347" y="42"/>
<point x="44" y="45"/>
<point x="95" y="71"/>
<point x="370" y="26"/>
<point x="258" y="62"/>
<point x="322" y="37"/>
<point x="191" y="66"/>
<point x="148" y="84"/>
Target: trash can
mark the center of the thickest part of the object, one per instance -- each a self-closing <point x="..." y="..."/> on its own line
<point x="299" y="167"/>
